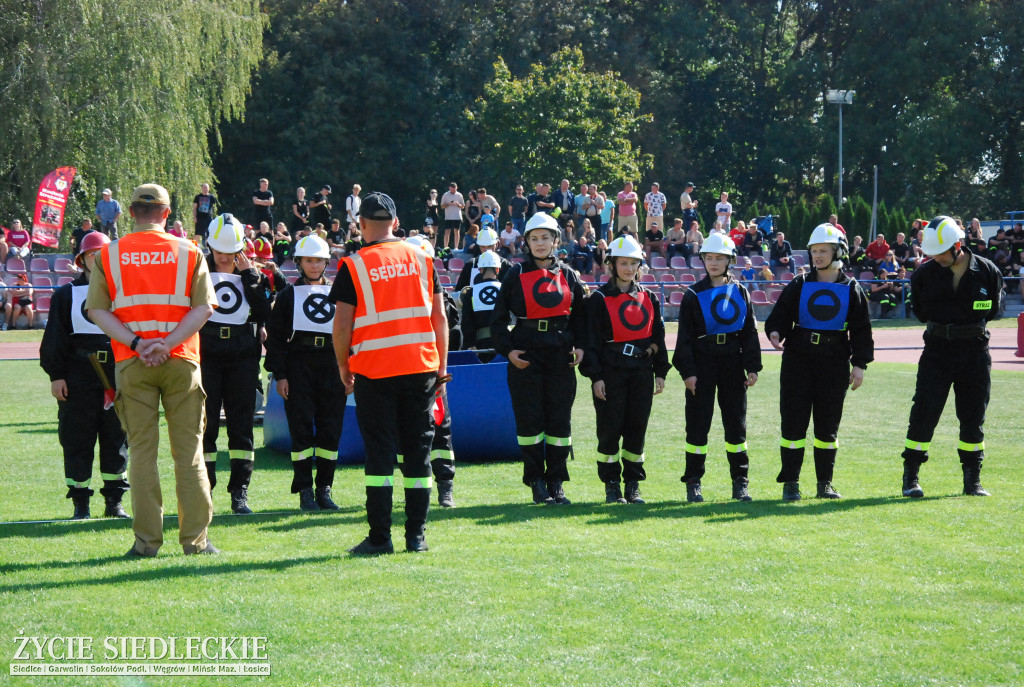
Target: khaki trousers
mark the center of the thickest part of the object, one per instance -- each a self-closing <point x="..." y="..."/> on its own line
<point x="140" y="389"/>
<point x="631" y="221"/>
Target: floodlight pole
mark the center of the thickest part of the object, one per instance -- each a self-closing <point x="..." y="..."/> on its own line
<point x="840" y="98"/>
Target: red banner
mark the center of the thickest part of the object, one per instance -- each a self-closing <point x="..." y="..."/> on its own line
<point x="50" y="204"/>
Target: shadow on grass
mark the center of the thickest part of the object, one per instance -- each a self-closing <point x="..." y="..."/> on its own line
<point x="147" y="569"/>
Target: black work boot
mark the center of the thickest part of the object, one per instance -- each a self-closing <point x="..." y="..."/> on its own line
<point x="613" y="493"/>
<point x="81" y="504"/>
<point x="323" y="499"/>
<point x="693" y="494"/>
<point x="540" y="493"/>
<point x="911" y="487"/>
<point x="113" y="508"/>
<point x="240" y="501"/>
<point x="306" y="499"/>
<point x="739" y="490"/>
<point x="827" y="491"/>
<point x="558" y="494"/>
<point x="791" y="491"/>
<point x="368" y="548"/>
<point x="972" y="481"/>
<point x="445" y="498"/>
<point x="633" y="492"/>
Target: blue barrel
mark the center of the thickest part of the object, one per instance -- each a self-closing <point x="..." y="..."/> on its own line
<point x="483" y="426"/>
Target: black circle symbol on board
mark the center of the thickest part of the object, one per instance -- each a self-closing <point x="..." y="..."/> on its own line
<point x="489" y="295"/>
<point x="318" y="309"/>
<point x="724" y="310"/>
<point x="627" y="313"/>
<point x="823" y="305"/>
<point x="229" y="298"/>
<point x="546" y="293"/>
<point x="85" y="314"/>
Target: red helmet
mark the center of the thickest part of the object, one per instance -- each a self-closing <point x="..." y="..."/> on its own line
<point x="249" y="249"/>
<point x="263" y="249"/>
<point x="92" y="241"/>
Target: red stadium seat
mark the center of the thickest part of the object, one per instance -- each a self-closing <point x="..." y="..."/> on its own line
<point x="658" y="263"/>
<point x="456" y="264"/>
<point x="64" y="266"/>
<point x="678" y="263"/>
<point x="676" y="298"/>
<point x="39" y="265"/>
<point x="759" y="298"/>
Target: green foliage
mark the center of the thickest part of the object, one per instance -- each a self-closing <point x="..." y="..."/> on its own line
<point x="825" y="208"/>
<point x="800" y="224"/>
<point x="559" y="119"/>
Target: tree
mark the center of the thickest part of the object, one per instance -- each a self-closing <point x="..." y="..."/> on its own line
<point x="125" y="90"/>
<point x="559" y="119"/>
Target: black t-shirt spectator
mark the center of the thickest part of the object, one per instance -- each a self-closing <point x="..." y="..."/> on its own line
<point x="519" y="207"/>
<point x="302" y="206"/>
<point x="206" y="210"/>
<point x="901" y="251"/>
<point x="654" y="235"/>
<point x="76" y="239"/>
<point x="320" y="214"/>
<point x="263" y="213"/>
<point x="336" y="237"/>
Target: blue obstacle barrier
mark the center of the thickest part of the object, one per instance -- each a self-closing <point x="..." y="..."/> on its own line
<point x="483" y="427"/>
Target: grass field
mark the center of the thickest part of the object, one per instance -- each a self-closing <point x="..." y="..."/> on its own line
<point x="870" y="590"/>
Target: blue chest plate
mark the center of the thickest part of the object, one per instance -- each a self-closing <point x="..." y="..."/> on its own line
<point x="824" y="306"/>
<point x="724" y="309"/>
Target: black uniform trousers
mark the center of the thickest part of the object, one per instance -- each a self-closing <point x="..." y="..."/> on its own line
<point x="228" y="381"/>
<point x="724" y="375"/>
<point x="625" y="414"/>
<point x="394" y="416"/>
<point x="811" y="385"/>
<point x="442" y="453"/>
<point x="315" y="410"/>
<point x="967" y="367"/>
<point x="81" y="420"/>
<point x="542" y="398"/>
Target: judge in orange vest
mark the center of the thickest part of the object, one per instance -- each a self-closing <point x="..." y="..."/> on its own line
<point x="151" y="293"/>
<point x="391" y="341"/>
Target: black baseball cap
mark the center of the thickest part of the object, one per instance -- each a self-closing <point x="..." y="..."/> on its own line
<point x="327" y="187"/>
<point x="378" y="206"/>
<point x="689" y="184"/>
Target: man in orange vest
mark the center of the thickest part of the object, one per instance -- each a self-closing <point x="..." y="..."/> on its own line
<point x="391" y="341"/>
<point x="151" y="293"/>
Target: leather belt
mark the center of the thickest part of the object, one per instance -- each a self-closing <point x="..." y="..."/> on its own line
<point x="101" y="356"/>
<point x="545" y="324"/>
<point x="718" y="339"/>
<point x="952" y="332"/>
<point x="316" y="341"/>
<point x="230" y="331"/>
<point x="817" y="338"/>
<point x="628" y="349"/>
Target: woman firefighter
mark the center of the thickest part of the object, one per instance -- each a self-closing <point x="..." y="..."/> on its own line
<point x="717" y="351"/>
<point x="300" y="355"/>
<point x="626" y="362"/>
<point x="543" y="350"/>
<point x="230" y="346"/>
<point x="823" y="320"/>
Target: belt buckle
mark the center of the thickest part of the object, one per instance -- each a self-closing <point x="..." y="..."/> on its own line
<point x="629" y="349"/>
<point x="542" y="325"/>
<point x="101" y="356"/>
<point x="225" y="332"/>
<point x="815" y="338"/>
<point x="319" y="341"/>
<point x="720" y="338"/>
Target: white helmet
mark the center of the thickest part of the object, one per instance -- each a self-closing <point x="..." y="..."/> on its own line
<point x="422" y="243"/>
<point x="487" y="237"/>
<point x="312" y="247"/>
<point x="489" y="259"/>
<point x="718" y="243"/>
<point x="625" y="247"/>
<point x="227" y="234"/>
<point x="940" y="235"/>
<point x="829" y="233"/>
<point x="543" y="220"/>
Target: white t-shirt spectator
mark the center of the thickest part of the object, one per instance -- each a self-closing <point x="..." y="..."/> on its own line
<point x="509" y="237"/>
<point x="656" y="203"/>
<point x="722" y="210"/>
<point x="352" y="204"/>
<point x="452" y="212"/>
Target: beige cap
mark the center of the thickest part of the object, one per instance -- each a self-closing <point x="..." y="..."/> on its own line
<point x="151" y="194"/>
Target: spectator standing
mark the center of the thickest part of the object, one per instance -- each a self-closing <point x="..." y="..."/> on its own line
<point x="352" y="205"/>
<point x="320" y="207"/>
<point x="395" y="366"/>
<point x="158" y="361"/>
<point x="724" y="212"/>
<point x="300" y="211"/>
<point x="579" y="211"/>
<point x="489" y="201"/>
<point x="565" y="203"/>
<point x="607" y="217"/>
<point x="833" y="219"/>
<point x="955" y="294"/>
<point x="655" y="203"/>
<point x="108" y="211"/>
<point x="84" y="415"/>
<point x="688" y="205"/>
<point x="780" y="253"/>
<point x="204" y="209"/>
<point x="452" y="204"/>
<point x="432" y="218"/>
<point x="517" y="209"/>
<point x="626" y="200"/>
<point x="263" y="201"/>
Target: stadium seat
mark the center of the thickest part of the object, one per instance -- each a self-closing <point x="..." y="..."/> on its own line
<point x="786" y="276"/>
<point x="658" y="263"/>
<point x="15" y="266"/>
<point x="648" y="279"/>
<point x="438" y="265"/>
<point x="42" y="282"/>
<point x="456" y="264"/>
<point x="39" y="265"/>
<point x="799" y="260"/>
<point x="773" y="295"/>
<point x="759" y="298"/>
<point x="757" y="260"/>
<point x="61" y="281"/>
<point x="866" y="276"/>
<point x="678" y="263"/>
<point x="676" y="298"/>
<point x="64" y="266"/>
<point x="445" y="280"/>
<point x="687" y="278"/>
<point x="667" y="278"/>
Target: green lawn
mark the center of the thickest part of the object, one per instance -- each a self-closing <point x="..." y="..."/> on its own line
<point x="873" y="589"/>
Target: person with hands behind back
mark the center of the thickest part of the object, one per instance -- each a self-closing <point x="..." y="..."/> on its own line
<point x="717" y="350"/>
<point x="391" y="342"/>
<point x="626" y="362"/>
<point x="231" y="346"/>
<point x="300" y="355"/>
<point x="822" y="325"/>
<point x="543" y="349"/>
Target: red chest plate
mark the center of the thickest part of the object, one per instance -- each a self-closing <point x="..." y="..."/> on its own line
<point x="546" y="293"/>
<point x="631" y="318"/>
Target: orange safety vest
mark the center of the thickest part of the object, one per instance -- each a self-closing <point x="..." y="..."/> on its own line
<point x="149" y="274"/>
<point x="392" y="334"/>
